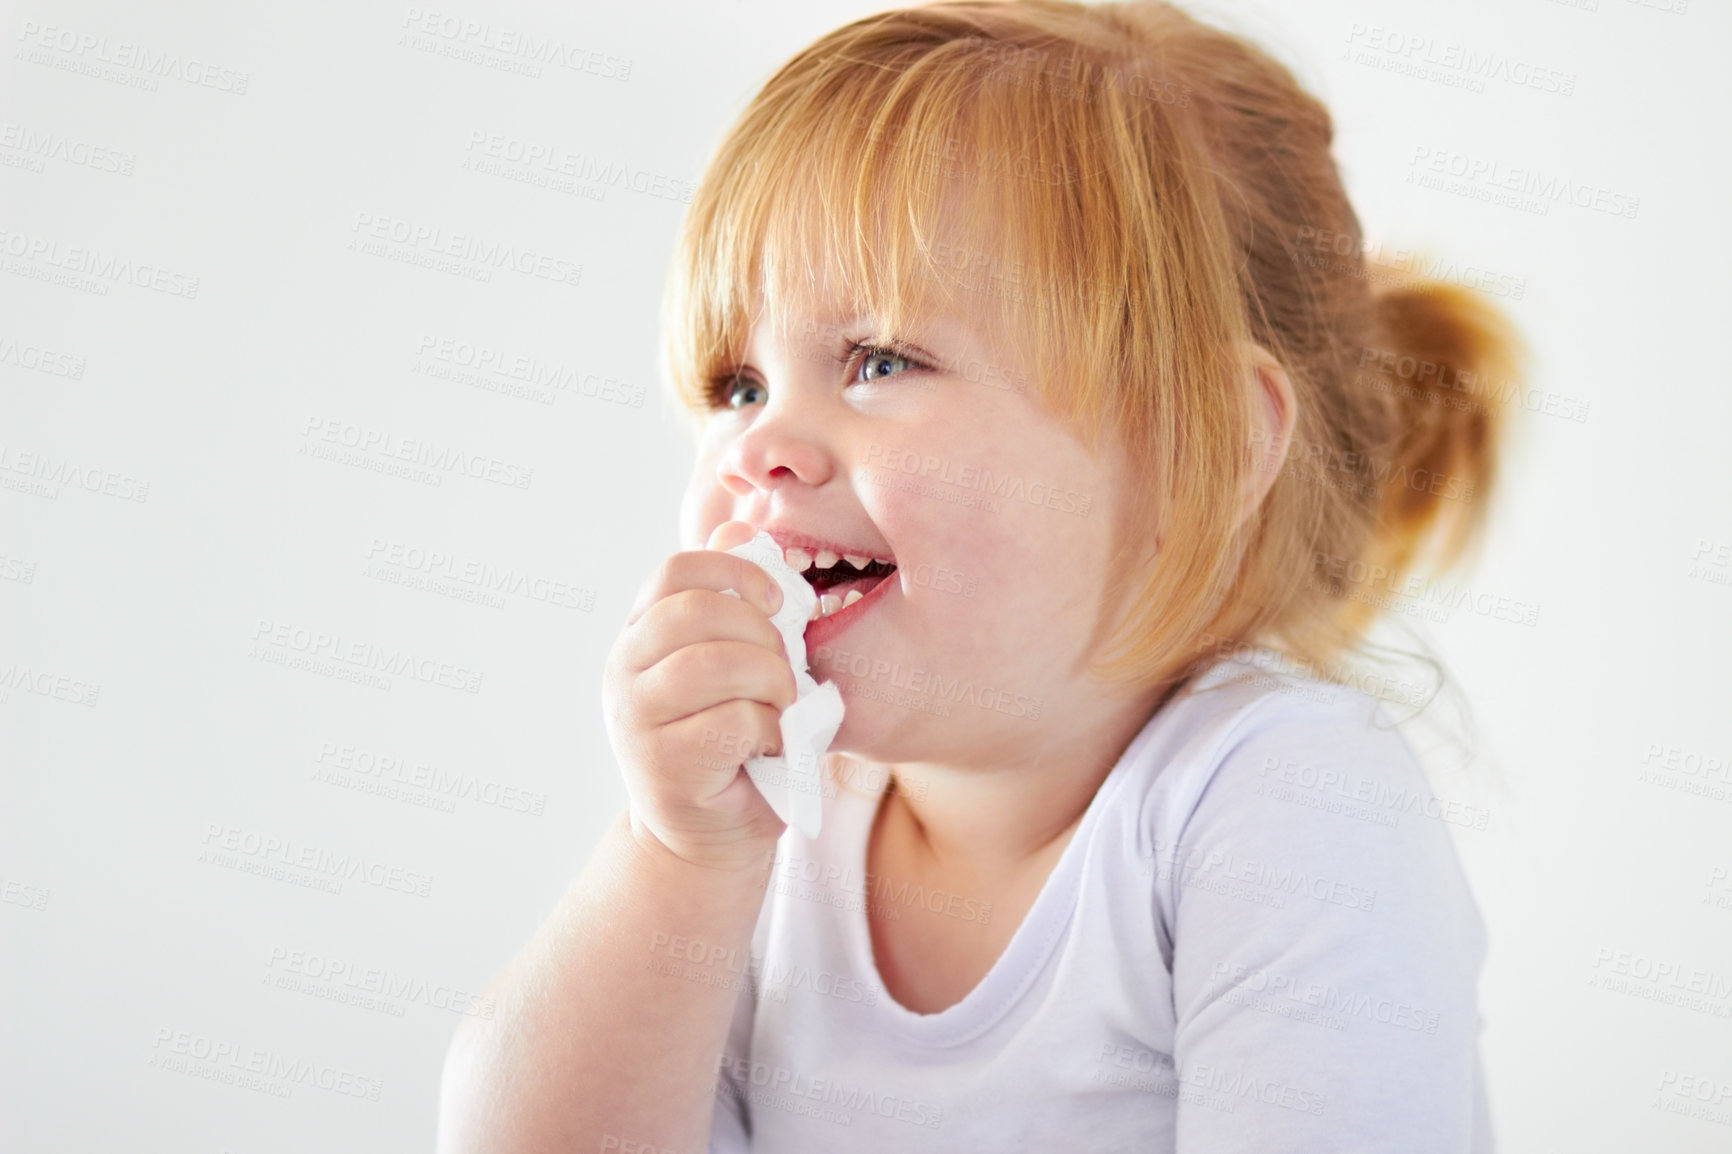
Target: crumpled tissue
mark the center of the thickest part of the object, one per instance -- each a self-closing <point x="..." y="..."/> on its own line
<point x="791" y="781"/>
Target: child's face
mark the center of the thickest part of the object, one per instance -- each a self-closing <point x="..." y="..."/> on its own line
<point x="999" y="522"/>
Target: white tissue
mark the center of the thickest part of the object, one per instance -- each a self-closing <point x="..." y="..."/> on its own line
<point x="791" y="781"/>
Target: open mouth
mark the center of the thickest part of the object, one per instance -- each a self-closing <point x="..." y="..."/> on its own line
<point x="839" y="579"/>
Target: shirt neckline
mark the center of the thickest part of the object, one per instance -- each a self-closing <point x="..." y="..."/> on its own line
<point x="1026" y="955"/>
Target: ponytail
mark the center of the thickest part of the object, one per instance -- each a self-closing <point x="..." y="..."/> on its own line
<point x="1445" y="360"/>
<point x="1213" y="214"/>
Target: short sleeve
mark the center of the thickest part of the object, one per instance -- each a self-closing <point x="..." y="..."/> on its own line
<point x="1326" y="948"/>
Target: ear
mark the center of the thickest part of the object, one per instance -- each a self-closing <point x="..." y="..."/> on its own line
<point x="1272" y="416"/>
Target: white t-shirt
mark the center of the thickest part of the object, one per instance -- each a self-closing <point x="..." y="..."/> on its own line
<point x="1259" y="939"/>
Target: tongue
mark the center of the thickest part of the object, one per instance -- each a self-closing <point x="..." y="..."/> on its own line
<point x="865" y="584"/>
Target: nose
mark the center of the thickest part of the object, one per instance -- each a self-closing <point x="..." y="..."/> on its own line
<point x="785" y="442"/>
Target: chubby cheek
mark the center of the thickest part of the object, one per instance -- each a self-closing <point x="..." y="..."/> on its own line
<point x="913" y="678"/>
<point x="1001" y="582"/>
<point x="962" y="573"/>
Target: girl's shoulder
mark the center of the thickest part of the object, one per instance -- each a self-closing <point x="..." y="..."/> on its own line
<point x="1224" y="717"/>
<point x="1290" y="793"/>
<point x="1306" y="909"/>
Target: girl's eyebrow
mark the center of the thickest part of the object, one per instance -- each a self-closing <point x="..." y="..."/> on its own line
<point x="904" y="348"/>
<point x="866" y="330"/>
<point x="857" y="331"/>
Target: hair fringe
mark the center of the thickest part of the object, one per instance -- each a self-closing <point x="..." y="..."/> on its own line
<point x="1142" y="194"/>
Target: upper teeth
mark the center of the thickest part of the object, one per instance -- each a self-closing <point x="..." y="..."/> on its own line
<point x="800" y="560"/>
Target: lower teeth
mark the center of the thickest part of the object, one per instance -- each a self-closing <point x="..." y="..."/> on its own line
<point x="829" y="603"/>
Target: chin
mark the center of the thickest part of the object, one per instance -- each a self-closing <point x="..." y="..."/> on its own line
<point x="865" y="730"/>
<point x="887" y="734"/>
<point x="854" y="735"/>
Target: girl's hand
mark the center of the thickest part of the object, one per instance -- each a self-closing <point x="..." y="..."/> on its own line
<point x="694" y="686"/>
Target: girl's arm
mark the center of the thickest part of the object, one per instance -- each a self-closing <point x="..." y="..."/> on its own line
<point x="614" y="1017"/>
<point x="596" y="1047"/>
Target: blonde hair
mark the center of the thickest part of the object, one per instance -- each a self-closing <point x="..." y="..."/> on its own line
<point x="1143" y="194"/>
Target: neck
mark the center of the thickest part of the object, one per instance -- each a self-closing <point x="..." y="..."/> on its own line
<point x="981" y="821"/>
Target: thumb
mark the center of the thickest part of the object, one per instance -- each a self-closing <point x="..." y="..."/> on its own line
<point x="730" y="534"/>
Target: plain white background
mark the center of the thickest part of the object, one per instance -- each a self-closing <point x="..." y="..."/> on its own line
<point x="164" y="523"/>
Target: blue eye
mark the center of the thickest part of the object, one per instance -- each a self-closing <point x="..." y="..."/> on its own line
<point x="724" y="391"/>
<point x="740" y="384"/>
<point x="876" y="363"/>
<point x="880" y="362"/>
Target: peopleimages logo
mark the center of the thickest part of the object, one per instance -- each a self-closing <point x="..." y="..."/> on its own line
<point x="379" y="235"/>
<point x="53" y="473"/>
<point x="327" y="974"/>
<point x="385" y="446"/>
<point x="493" y="367"/>
<point x="550" y="160"/>
<point x="46" y="683"/>
<point x="104" y="268"/>
<point x="514" y="44"/>
<point x="1515" y="186"/>
<point x="973" y="477"/>
<point x="41" y="360"/>
<point x="924" y="685"/>
<point x="36" y="147"/>
<point x="1330" y="1001"/>
<point x="779" y="1080"/>
<point x="481" y="577"/>
<point x="90" y="49"/>
<point x="217" y="1059"/>
<point x="361" y="656"/>
<point x="1460" y="65"/>
<point x="445" y="784"/>
<point x="226" y="843"/>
